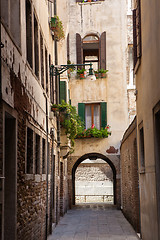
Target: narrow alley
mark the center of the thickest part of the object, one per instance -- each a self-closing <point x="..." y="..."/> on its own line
<point x="94" y="222"/>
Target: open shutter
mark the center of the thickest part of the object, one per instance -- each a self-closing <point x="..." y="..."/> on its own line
<point x="134" y="37"/>
<point x="79" y="49"/>
<point x="62" y="91"/>
<point x="81" y="111"/>
<point x="138" y="28"/>
<point x="103" y="50"/>
<point x="103" y="114"/>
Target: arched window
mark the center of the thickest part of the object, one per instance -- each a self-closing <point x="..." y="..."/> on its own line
<point x="91" y="49"/>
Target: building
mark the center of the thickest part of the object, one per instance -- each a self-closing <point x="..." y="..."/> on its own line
<point x="98" y="34"/>
<point x="146" y="68"/>
<point x="130" y="203"/>
<point x="33" y="175"/>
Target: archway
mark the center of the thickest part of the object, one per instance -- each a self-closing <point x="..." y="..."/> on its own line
<point x="94" y="156"/>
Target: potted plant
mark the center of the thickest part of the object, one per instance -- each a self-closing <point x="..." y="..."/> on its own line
<point x="80" y="73"/>
<point x="103" y="72"/>
<point x="57" y="27"/>
<point x="70" y="120"/>
<point x="96" y="74"/>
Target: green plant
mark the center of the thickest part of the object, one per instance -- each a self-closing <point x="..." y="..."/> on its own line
<point x="80" y="71"/>
<point x="72" y="67"/>
<point x="102" y="70"/>
<point x="57" y="27"/>
<point x="70" y="120"/>
<point x="94" y="132"/>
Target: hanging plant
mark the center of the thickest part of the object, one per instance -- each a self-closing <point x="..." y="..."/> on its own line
<point x="57" y="27"/>
<point x="69" y="119"/>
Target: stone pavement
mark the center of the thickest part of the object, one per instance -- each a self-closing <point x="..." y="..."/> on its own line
<point x="93" y="222"/>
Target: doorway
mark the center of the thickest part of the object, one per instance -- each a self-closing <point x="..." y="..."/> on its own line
<point x="94" y="156"/>
<point x="94" y="182"/>
<point x="10" y="174"/>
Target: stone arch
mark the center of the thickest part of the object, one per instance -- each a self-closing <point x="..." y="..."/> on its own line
<point x="94" y="156"/>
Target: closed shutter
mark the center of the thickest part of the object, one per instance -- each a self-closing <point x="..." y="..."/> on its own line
<point x="62" y="91"/>
<point x="134" y="38"/>
<point x="81" y="111"/>
<point x="79" y="49"/>
<point x="78" y="0"/>
<point x="103" y="50"/>
<point x="68" y="47"/>
<point x="103" y="114"/>
<point x="138" y="28"/>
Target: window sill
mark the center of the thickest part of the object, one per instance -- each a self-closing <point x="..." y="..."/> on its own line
<point x="86" y="3"/>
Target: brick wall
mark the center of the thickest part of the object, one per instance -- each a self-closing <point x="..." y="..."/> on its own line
<point x="129" y="173"/>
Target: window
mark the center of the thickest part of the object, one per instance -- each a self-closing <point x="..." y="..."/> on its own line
<point x="46" y="63"/>
<point x="29" y="32"/>
<point x="37" y="154"/>
<point x="29" y="151"/>
<point x="36" y="47"/>
<point x="42" y="60"/>
<point x="51" y="8"/>
<point x="91" y="49"/>
<point x="63" y="91"/>
<point x="93" y="114"/>
<point x="137" y="32"/>
<point x="142" y="156"/>
<point x="157" y="154"/>
<point x="43" y="156"/>
<point x="11" y="18"/>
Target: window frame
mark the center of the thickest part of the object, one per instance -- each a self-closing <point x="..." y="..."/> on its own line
<point x="141" y="148"/>
<point x="92" y="113"/>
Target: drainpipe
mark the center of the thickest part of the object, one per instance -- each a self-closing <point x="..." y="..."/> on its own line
<point x="1" y="58"/>
<point x="47" y="169"/>
<point x="57" y="80"/>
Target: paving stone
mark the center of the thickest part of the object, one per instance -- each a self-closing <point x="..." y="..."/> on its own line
<point x="93" y="223"/>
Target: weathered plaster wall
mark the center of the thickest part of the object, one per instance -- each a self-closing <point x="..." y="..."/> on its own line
<point x="148" y="87"/>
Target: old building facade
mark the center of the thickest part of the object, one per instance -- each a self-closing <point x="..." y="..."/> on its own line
<point x="37" y="175"/>
<point x="33" y="175"/>
<point x="146" y="59"/>
<point x="95" y="35"/>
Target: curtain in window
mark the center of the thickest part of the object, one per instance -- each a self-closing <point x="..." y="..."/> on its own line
<point x="97" y="116"/>
<point x="88" y="116"/>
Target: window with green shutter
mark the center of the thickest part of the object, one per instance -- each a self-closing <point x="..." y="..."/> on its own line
<point x="81" y="111"/>
<point x="93" y="114"/>
<point x="62" y="91"/>
<point x="103" y="114"/>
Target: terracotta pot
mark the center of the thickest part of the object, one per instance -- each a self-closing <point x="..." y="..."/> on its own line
<point x="97" y="75"/>
<point x="103" y="75"/>
<point x="89" y="0"/>
<point x="81" y="76"/>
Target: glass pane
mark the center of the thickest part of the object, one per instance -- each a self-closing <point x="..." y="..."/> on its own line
<point x="97" y="116"/>
<point x="88" y="116"/>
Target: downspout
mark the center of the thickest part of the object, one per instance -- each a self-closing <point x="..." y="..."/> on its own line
<point x="47" y="169"/>
<point x="0" y="57"/>
<point x="57" y="81"/>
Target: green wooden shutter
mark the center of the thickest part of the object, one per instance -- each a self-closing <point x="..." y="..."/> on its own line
<point x="62" y="91"/>
<point x="103" y="114"/>
<point x="81" y="111"/>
